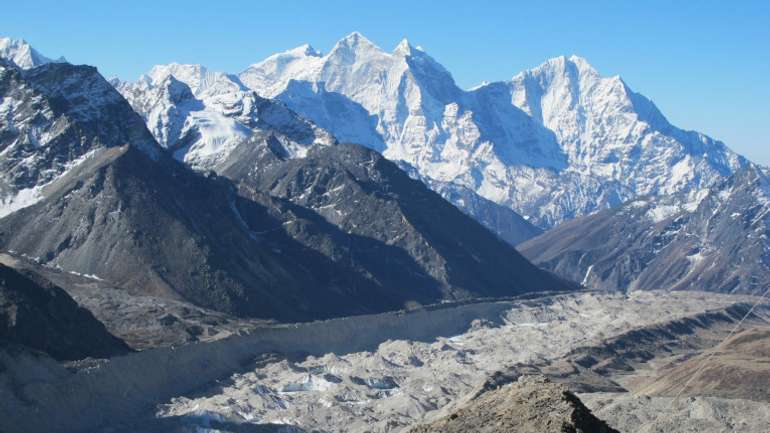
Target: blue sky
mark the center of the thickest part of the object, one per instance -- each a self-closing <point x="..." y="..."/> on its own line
<point x="706" y="64"/>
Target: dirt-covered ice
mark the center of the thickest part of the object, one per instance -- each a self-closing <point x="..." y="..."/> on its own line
<point x="403" y="382"/>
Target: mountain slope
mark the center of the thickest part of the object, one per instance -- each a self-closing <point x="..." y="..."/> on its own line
<point x="718" y="244"/>
<point x="387" y="221"/>
<point x="737" y="368"/>
<point x="36" y="314"/>
<point x="555" y="142"/>
<point x="55" y="116"/>
<point x="500" y="220"/>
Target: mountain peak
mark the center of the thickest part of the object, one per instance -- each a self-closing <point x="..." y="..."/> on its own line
<point x="582" y="64"/>
<point x="403" y="47"/>
<point x="196" y="76"/>
<point x="355" y="36"/>
<point x="574" y="58"/>
<point x="304" y="50"/>
<point x="21" y="53"/>
<point x="355" y="42"/>
<point x="159" y="72"/>
<point x="564" y="63"/>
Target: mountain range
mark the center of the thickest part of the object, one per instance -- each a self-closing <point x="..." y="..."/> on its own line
<point x="283" y="224"/>
<point x="553" y="143"/>
<point x="240" y="192"/>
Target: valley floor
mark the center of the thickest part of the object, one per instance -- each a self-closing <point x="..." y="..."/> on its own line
<point x="404" y="382"/>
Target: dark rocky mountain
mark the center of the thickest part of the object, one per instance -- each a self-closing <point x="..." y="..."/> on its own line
<point x="357" y="208"/>
<point x="531" y="404"/>
<point x="39" y="315"/>
<point x="157" y="228"/>
<point x="718" y="243"/>
<point x="339" y="232"/>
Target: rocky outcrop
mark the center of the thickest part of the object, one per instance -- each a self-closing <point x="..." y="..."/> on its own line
<point x="532" y="404"/>
<point x="38" y="315"/>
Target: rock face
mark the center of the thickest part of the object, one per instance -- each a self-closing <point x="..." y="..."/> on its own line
<point x="718" y="244"/>
<point x="553" y="143"/>
<point x="532" y="404"/>
<point x="36" y="314"/>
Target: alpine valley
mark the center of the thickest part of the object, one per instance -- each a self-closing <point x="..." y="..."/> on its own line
<point x="350" y="242"/>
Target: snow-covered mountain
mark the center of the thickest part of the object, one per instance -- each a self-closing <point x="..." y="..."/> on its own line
<point x="20" y="53"/>
<point x="41" y="118"/>
<point x="720" y="244"/>
<point x="614" y="134"/>
<point x="553" y="143"/>
<point x="202" y="116"/>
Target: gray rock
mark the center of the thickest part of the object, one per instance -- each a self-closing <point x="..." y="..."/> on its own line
<point x="38" y="315"/>
<point x="532" y="404"/>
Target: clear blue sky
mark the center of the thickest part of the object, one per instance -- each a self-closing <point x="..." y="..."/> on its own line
<point x="706" y="64"/>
